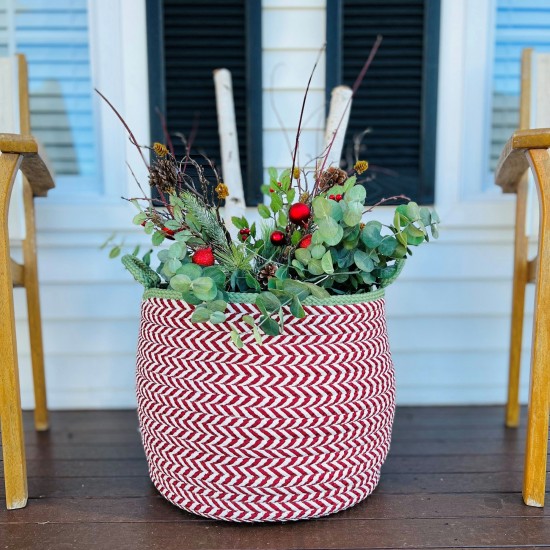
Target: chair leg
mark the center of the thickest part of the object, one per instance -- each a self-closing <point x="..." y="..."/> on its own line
<point x="534" y="481"/>
<point x="13" y="444"/>
<point x="518" y="306"/>
<point x="33" y="308"/>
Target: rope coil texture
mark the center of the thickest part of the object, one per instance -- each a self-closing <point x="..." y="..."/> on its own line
<point x="295" y="428"/>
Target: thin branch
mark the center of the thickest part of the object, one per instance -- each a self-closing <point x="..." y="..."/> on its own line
<point x="299" y="130"/>
<point x="384" y="200"/>
<point x="162" y="119"/>
<point x="133" y="139"/>
<point x="357" y="83"/>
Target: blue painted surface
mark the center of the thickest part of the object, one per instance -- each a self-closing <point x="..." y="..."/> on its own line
<point x="54" y="36"/>
<point x="519" y="24"/>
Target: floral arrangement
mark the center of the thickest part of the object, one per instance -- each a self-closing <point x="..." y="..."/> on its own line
<point x="317" y="237"/>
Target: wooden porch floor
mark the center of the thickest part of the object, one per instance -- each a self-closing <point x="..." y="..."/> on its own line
<point x="452" y="479"/>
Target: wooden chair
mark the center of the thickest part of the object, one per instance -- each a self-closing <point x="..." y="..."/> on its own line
<point x="529" y="149"/>
<point x="20" y="152"/>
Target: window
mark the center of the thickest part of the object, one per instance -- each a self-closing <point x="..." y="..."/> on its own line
<point x="518" y="24"/>
<point x="54" y="37"/>
<point x="398" y="99"/>
<point x="187" y="40"/>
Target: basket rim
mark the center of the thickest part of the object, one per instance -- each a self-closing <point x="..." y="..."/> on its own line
<point x="250" y="298"/>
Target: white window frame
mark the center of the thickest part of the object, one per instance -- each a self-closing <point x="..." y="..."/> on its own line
<point x="464" y="118"/>
<point x="118" y="58"/>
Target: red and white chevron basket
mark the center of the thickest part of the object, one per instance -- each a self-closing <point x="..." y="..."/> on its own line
<point x="295" y="428"/>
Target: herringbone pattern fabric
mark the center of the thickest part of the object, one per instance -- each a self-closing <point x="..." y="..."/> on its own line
<point x="295" y="428"/>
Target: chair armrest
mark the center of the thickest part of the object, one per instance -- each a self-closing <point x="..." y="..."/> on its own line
<point x="513" y="163"/>
<point x="33" y="166"/>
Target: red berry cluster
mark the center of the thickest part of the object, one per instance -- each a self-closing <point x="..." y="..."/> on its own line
<point x="336" y="198"/>
<point x="244" y="234"/>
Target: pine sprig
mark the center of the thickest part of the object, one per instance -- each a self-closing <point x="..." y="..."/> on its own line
<point x="206" y="217"/>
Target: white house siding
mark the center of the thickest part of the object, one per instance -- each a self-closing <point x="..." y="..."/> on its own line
<point x="448" y="315"/>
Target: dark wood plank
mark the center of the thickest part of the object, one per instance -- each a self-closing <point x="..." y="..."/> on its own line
<point x="139" y="486"/>
<point x="315" y="534"/>
<point x="85" y="468"/>
<point x="452" y="479"/>
<point x="154" y="508"/>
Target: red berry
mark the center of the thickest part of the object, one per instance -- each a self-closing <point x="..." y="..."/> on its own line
<point x="203" y="257"/>
<point x="331" y="197"/>
<point x="305" y="242"/>
<point x="277" y="238"/>
<point x="278" y="184"/>
<point x="338" y="198"/>
<point x="168" y="231"/>
<point x="299" y="213"/>
<point x="272" y="190"/>
<point x="244" y="231"/>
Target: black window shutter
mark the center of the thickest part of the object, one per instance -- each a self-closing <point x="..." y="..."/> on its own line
<point x="187" y="40"/>
<point x="398" y="98"/>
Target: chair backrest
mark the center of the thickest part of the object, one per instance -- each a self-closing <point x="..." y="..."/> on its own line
<point x="15" y="119"/>
<point x="534" y="113"/>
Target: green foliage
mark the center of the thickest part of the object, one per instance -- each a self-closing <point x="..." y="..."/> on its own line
<point x="331" y="252"/>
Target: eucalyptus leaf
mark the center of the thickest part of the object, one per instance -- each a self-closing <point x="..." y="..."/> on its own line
<point x="349" y="183"/>
<point x="317" y="251"/>
<point x="216" y="274"/>
<point x="363" y="261"/>
<point x="200" y="315"/>
<point x="353" y="213"/>
<point x="269" y="326"/>
<point x="269" y="301"/>
<point x="193" y="271"/>
<point x="303" y="255"/>
<point x="370" y="234"/>
<point x="296" y="308"/>
<point x="236" y="339"/>
<point x="172" y="266"/>
<point x="317" y="291"/>
<point x="177" y="250"/>
<point x="157" y="238"/>
<point x="315" y="267"/>
<point x="217" y="305"/>
<point x="251" y="281"/>
<point x="296" y="288"/>
<point x="326" y="263"/>
<point x="413" y="211"/>
<point x="217" y="317"/>
<point x="204" y="288"/>
<point x="334" y="238"/>
<point x="180" y="283"/>
<point x="321" y="207"/>
<point x="356" y="193"/>
<point x="387" y="246"/>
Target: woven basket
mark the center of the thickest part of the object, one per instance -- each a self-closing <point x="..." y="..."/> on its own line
<point x="296" y="428"/>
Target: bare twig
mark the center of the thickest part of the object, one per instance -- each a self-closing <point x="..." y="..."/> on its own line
<point x="133" y="139"/>
<point x="167" y="137"/>
<point x="384" y="200"/>
<point x="299" y="130"/>
<point x="354" y="89"/>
